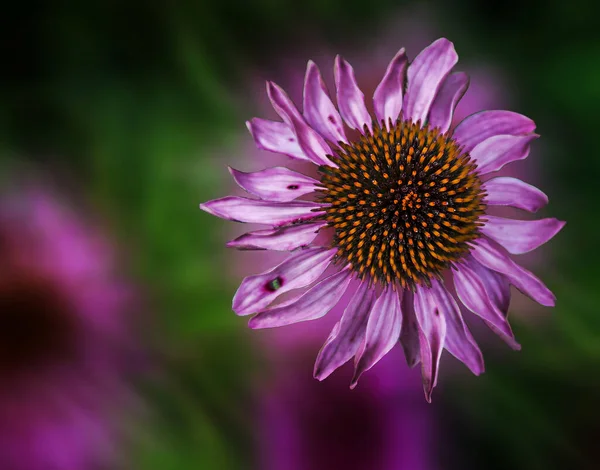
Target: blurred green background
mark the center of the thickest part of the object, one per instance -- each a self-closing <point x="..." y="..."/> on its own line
<point x="140" y="105"/>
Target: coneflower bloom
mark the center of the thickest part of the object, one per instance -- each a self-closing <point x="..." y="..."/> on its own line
<point x="401" y="200"/>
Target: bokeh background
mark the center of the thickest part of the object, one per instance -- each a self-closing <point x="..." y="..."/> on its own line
<point x="118" y="118"/>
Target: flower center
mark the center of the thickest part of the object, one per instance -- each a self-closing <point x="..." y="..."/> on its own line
<point x="403" y="203"/>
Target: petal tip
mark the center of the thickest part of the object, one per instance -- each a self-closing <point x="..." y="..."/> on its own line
<point x="206" y="208"/>
<point x="237" y="305"/>
<point x="319" y="373"/>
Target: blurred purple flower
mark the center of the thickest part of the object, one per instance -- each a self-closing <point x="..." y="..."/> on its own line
<point x="65" y="350"/>
<point x="384" y="424"/>
<point x="403" y="197"/>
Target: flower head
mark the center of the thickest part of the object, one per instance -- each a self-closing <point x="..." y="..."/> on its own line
<point x="64" y="350"/>
<point x="400" y="205"/>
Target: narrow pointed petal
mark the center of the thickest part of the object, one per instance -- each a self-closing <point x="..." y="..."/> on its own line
<point x="409" y="335"/>
<point x="472" y="294"/>
<point x="432" y="334"/>
<point x="481" y="126"/>
<point x="506" y="191"/>
<point x="319" y="111"/>
<point x="496" y="284"/>
<point x="282" y="239"/>
<point x="493" y="153"/>
<point x="450" y="93"/>
<point x="351" y="100"/>
<point x="275" y="184"/>
<point x="312" y="144"/>
<point x="425" y="75"/>
<point x="520" y="236"/>
<point x="387" y="99"/>
<point x="459" y="341"/>
<point x="347" y="335"/>
<point x="314" y="303"/>
<point x="382" y="333"/>
<point x="498" y="260"/>
<point x="240" y="209"/>
<point x="275" y="137"/>
<point x="299" y="270"/>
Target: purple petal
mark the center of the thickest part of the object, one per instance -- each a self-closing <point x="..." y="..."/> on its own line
<point x="313" y="145"/>
<point x="432" y="333"/>
<point x="351" y="100"/>
<point x="275" y="137"/>
<point x="275" y="184"/>
<point x="450" y="93"/>
<point x="481" y="126"/>
<point x="347" y="335"/>
<point x="319" y="111"/>
<point x="506" y="191"/>
<point x="282" y="239"/>
<point x="497" y="260"/>
<point x="313" y="304"/>
<point x="425" y="75"/>
<point x="471" y="292"/>
<point x="382" y="333"/>
<point x="409" y="335"/>
<point x="299" y="270"/>
<point x="459" y="341"/>
<point x="520" y="236"/>
<point x="495" y="152"/>
<point x="240" y="209"/>
<point x="387" y="99"/>
<point x="496" y="285"/>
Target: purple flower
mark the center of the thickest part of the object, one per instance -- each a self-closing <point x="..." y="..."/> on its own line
<point x="383" y="424"/>
<point x="64" y="343"/>
<point x="400" y="205"/>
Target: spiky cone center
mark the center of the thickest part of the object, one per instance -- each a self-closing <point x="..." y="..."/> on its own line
<point x="404" y="203"/>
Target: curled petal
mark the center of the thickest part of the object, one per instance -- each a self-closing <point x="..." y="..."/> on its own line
<point x="520" y="236"/>
<point x="313" y="145"/>
<point x="496" y="285"/>
<point x="299" y="270"/>
<point x="281" y="239"/>
<point x="382" y="333"/>
<point x="387" y="99"/>
<point x="432" y="334"/>
<point x="347" y="335"/>
<point x="481" y="126"/>
<point x="275" y="184"/>
<point x="450" y="93"/>
<point x="459" y="341"/>
<point x="241" y="209"/>
<point x="313" y="304"/>
<point x="319" y="111"/>
<point x="409" y="335"/>
<point x="499" y="150"/>
<point x="506" y="191"/>
<point x="496" y="259"/>
<point x="275" y="137"/>
<point x="351" y="100"/>
<point x="425" y="75"/>
<point x="471" y="292"/>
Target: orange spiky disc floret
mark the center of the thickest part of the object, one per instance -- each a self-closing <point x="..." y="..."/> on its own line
<point x="404" y="203"/>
